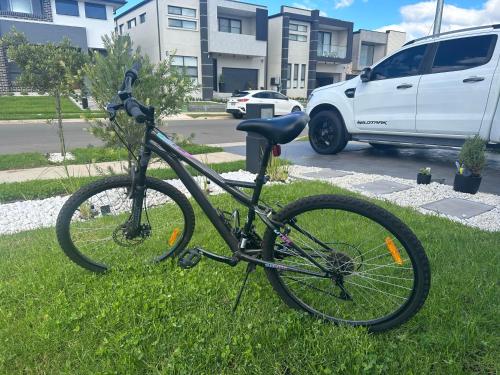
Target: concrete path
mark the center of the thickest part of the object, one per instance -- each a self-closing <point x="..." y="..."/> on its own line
<point x="97" y="169"/>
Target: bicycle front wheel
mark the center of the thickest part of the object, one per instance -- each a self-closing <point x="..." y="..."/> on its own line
<point x="93" y="225"/>
<point x="366" y="267"/>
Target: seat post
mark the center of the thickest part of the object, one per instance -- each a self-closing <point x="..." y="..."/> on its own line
<point x="260" y="180"/>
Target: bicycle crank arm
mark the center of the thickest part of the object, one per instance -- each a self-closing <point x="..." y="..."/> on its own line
<point x="233" y="261"/>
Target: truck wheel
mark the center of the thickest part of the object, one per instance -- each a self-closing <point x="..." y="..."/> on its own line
<point x="327" y="133"/>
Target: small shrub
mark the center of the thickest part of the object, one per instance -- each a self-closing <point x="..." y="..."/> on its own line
<point x="426" y="171"/>
<point x="278" y="169"/>
<point x="472" y="155"/>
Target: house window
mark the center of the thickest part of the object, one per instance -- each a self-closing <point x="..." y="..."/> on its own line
<point x="228" y="25"/>
<point x="67" y="8"/>
<point x="289" y="76"/>
<point x="324" y="44"/>
<point x="179" y="11"/>
<point x="182" y="24"/>
<point x="97" y="11"/>
<point x="297" y="27"/>
<point x="366" y="55"/>
<point x="295" y="76"/>
<point x="298" y="37"/>
<point x="121" y="29"/>
<point x="188" y="64"/>
<point x="303" y="76"/>
<point x="142" y="18"/>
<point x="20" y="6"/>
<point x="131" y="23"/>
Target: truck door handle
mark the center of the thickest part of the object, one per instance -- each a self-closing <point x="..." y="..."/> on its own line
<point x="473" y="79"/>
<point x="404" y="86"/>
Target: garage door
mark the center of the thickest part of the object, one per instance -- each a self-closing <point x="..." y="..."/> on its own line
<point x="240" y="79"/>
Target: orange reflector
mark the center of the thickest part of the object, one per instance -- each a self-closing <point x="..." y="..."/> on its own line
<point x="393" y="250"/>
<point x="173" y="236"/>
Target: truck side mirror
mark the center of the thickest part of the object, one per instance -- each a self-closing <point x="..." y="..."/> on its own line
<point x="366" y="75"/>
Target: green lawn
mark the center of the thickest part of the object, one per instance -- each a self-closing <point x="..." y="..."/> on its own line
<point x="58" y="318"/>
<point x="85" y="155"/>
<point x="39" y="107"/>
<point x="40" y="189"/>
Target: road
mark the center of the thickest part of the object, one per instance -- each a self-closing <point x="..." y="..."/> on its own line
<point x="358" y="157"/>
<point x="16" y="138"/>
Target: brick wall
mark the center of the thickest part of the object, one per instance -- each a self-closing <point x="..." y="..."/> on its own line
<point x="4" y="81"/>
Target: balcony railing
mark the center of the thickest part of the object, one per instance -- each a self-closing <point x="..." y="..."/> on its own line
<point x="332" y="51"/>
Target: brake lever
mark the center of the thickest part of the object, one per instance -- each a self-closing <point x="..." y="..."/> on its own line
<point x="112" y="108"/>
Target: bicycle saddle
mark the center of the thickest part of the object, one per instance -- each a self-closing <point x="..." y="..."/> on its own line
<point x="278" y="130"/>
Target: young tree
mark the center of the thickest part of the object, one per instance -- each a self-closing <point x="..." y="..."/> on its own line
<point x="46" y="68"/>
<point x="162" y="86"/>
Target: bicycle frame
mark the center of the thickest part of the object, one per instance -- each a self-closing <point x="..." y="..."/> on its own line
<point x="158" y="142"/>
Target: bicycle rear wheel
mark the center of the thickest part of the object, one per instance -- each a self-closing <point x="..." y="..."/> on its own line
<point x="92" y="225"/>
<point x="375" y="271"/>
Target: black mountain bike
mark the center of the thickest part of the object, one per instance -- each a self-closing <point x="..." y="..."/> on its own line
<point x="339" y="258"/>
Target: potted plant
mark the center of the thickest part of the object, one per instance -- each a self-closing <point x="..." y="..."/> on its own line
<point x="424" y="176"/>
<point x="471" y="161"/>
<point x="222" y="86"/>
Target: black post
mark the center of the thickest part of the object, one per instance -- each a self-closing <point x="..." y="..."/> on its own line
<point x="255" y="143"/>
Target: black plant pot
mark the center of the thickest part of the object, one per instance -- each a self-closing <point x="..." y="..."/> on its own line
<point x="423" y="179"/>
<point x="466" y="184"/>
<point x="222" y="87"/>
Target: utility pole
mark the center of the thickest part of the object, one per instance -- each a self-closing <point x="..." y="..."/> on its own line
<point x="439" y="17"/>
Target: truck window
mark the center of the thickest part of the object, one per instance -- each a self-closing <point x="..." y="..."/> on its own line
<point x="402" y="64"/>
<point x="463" y="53"/>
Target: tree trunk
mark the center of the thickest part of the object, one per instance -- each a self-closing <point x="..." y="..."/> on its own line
<point x="60" y="125"/>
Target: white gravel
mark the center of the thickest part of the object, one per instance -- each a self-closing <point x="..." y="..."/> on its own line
<point x="56" y="157"/>
<point x="32" y="214"/>
<point x="415" y="197"/>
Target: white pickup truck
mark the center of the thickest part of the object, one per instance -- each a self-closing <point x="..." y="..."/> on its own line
<point x="434" y="91"/>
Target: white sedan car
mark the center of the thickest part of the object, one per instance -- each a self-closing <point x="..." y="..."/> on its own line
<point x="237" y="104"/>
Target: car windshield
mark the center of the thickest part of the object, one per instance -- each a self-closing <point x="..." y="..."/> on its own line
<point x="240" y="94"/>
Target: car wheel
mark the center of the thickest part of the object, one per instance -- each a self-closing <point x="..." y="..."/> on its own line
<point x="381" y="146"/>
<point x="296" y="109"/>
<point x="327" y="133"/>
<point x="238" y="115"/>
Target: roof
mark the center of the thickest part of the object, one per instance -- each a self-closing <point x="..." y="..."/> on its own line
<point x="123" y="10"/>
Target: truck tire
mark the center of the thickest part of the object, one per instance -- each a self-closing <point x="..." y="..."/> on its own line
<point x="327" y="133"/>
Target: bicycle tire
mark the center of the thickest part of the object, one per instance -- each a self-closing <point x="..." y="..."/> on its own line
<point x="116" y="182"/>
<point x="385" y="219"/>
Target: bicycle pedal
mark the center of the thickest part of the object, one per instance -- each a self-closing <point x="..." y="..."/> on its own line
<point x="189" y="258"/>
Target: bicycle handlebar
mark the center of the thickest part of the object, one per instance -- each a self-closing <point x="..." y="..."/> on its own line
<point x="133" y="108"/>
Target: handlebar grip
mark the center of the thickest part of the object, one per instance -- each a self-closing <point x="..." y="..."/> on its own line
<point x="133" y="109"/>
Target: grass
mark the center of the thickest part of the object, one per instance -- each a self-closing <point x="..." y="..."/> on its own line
<point x="39" y="107"/>
<point x="40" y="189"/>
<point x="85" y="155"/>
<point x="58" y="318"/>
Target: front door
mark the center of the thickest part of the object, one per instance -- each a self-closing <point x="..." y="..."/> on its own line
<point x="388" y="101"/>
<point x="452" y="97"/>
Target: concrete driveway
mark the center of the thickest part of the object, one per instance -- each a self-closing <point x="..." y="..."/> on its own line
<point x="404" y="162"/>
